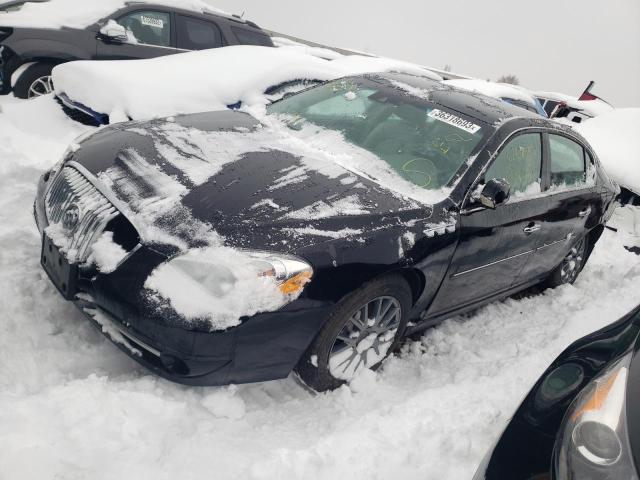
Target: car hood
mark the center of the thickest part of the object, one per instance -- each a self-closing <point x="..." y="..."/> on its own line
<point x="196" y="179"/>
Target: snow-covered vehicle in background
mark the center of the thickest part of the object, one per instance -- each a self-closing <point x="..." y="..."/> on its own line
<point x="39" y="36"/>
<point x="98" y="93"/>
<point x="512" y="94"/>
<point x="572" y="109"/>
<point x="222" y="247"/>
<point x="615" y="136"/>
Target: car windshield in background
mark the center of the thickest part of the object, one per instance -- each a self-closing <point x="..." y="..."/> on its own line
<point x="419" y="140"/>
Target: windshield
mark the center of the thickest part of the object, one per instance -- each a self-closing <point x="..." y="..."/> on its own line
<point x="421" y="142"/>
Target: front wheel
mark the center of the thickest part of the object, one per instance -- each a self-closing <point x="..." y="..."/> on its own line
<point x="567" y="272"/>
<point x="359" y="334"/>
<point x="34" y="82"/>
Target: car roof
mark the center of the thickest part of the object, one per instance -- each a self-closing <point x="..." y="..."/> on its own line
<point x="476" y="105"/>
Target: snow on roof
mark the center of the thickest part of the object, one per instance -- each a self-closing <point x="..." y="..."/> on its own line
<point x="492" y="89"/>
<point x="203" y="81"/>
<point x="82" y="13"/>
<point x="615" y="138"/>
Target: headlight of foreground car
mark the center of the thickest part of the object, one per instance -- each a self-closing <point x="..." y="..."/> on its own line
<point x="290" y="273"/>
<point x="594" y="443"/>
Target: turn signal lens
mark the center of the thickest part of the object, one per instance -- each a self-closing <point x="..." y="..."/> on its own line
<point x="295" y="284"/>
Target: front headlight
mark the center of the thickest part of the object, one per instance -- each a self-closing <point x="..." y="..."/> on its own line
<point x="594" y="443"/>
<point x="223" y="284"/>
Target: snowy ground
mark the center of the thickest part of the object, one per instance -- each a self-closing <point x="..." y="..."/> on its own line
<point x="74" y="407"/>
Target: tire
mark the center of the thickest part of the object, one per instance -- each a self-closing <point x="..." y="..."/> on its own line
<point x="568" y="271"/>
<point x="325" y="365"/>
<point x="34" y="79"/>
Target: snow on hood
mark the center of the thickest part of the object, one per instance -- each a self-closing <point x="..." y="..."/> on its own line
<point x="176" y="180"/>
<point x="83" y="13"/>
<point x="205" y="80"/>
<point x="615" y="136"/>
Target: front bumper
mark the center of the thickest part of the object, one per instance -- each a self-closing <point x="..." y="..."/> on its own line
<point x="264" y="347"/>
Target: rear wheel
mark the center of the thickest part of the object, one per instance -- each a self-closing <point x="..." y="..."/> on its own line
<point x="567" y="272"/>
<point x="360" y="333"/>
<point x="34" y="82"/>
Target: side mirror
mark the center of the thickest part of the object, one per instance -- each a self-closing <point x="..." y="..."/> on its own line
<point x="114" y="32"/>
<point x="496" y="192"/>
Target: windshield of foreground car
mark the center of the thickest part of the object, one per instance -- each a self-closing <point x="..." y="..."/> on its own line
<point x="420" y="141"/>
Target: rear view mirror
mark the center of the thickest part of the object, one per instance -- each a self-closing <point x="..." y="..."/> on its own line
<point x="495" y="192"/>
<point x="114" y="32"/>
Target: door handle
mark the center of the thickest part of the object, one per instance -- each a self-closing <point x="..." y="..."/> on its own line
<point x="584" y="213"/>
<point x="531" y="228"/>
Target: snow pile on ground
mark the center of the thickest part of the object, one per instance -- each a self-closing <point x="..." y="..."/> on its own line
<point x="83" y="13"/>
<point x="204" y="80"/>
<point x="73" y="406"/>
<point x="615" y="136"/>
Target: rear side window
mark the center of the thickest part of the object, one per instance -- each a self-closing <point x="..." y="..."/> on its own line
<point x="520" y="164"/>
<point x="248" y="37"/>
<point x="195" y="34"/>
<point x="149" y="27"/>
<point x="568" y="162"/>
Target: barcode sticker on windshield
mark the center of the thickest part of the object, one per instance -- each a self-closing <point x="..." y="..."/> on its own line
<point x="151" y="22"/>
<point x="461" y="123"/>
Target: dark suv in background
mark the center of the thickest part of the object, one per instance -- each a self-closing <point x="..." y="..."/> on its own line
<point x="139" y="30"/>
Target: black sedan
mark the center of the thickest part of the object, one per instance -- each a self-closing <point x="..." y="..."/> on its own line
<point x="217" y="248"/>
<point x="580" y="420"/>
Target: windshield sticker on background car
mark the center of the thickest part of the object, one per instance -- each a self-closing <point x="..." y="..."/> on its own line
<point x="152" y="22"/>
<point x="461" y="123"/>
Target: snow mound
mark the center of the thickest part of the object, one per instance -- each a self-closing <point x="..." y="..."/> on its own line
<point x="83" y="13"/>
<point x="205" y="80"/>
<point x="615" y="136"/>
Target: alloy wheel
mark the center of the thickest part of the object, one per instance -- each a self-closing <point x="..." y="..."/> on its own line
<point x="41" y="86"/>
<point x="366" y="338"/>
<point x="572" y="264"/>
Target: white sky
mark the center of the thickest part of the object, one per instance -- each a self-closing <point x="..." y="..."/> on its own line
<point x="554" y="45"/>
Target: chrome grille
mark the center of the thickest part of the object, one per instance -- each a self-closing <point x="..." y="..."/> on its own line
<point x="71" y="190"/>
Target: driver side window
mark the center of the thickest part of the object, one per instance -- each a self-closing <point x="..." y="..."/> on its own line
<point x="520" y="164"/>
<point x="148" y="27"/>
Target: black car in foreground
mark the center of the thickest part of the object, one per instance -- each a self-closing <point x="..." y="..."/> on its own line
<point x="580" y="421"/>
<point x="217" y="248"/>
<point x="138" y="30"/>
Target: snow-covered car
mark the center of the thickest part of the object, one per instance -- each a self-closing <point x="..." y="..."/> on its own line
<point x="615" y="136"/>
<point x="106" y="92"/>
<point x="222" y="247"/>
<point x="581" y="419"/>
<point x="572" y="109"/>
<point x="42" y="35"/>
<point x="512" y="94"/>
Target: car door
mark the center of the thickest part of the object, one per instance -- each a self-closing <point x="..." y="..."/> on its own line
<point x="196" y="34"/>
<point x="496" y="244"/>
<point x="573" y="201"/>
<point x="151" y="34"/>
